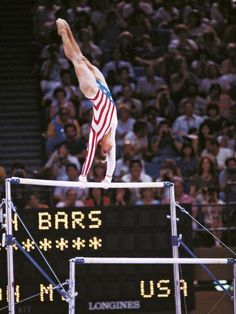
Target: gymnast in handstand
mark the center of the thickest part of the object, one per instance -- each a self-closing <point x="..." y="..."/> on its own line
<point x="94" y="87"/>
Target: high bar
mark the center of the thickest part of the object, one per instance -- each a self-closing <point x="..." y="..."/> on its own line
<point x="151" y="260"/>
<point x="116" y="185"/>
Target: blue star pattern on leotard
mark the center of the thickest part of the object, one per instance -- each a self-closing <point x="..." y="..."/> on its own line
<point x="105" y="90"/>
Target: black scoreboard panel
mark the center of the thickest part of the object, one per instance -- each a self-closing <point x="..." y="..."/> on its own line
<point x="127" y="231"/>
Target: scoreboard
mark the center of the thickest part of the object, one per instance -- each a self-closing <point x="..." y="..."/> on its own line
<point x="118" y="231"/>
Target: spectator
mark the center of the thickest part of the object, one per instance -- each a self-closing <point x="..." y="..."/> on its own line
<point x="212" y="213"/>
<point x="147" y="197"/>
<point x="206" y="177"/>
<point x="217" y="153"/>
<point x="204" y="132"/>
<point x="72" y="174"/>
<point x="187" y="47"/>
<point x="75" y="145"/>
<point x="44" y="19"/>
<point x="110" y="69"/>
<point x="148" y="84"/>
<point x="96" y="197"/>
<point x="229" y="64"/>
<point x="33" y="201"/>
<point x="71" y="200"/>
<point x="121" y="197"/>
<point x="59" y="100"/>
<point x="165" y="106"/>
<point x="213" y="75"/>
<point x="210" y="42"/>
<point x="55" y="132"/>
<point x="213" y="119"/>
<point x="163" y="143"/>
<point x="227" y="181"/>
<point x="125" y="125"/>
<point x="218" y="96"/>
<point x="122" y="164"/>
<point x="58" y="161"/>
<point x="127" y="98"/>
<point x="138" y="138"/>
<point x="136" y="174"/>
<point x="187" y="164"/>
<point x="51" y="69"/>
<point x="188" y="120"/>
<point x="180" y="80"/>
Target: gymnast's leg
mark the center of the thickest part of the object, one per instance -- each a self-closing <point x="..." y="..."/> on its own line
<point x="86" y="78"/>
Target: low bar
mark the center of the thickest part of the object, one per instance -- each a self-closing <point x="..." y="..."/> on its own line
<point x="151" y="260"/>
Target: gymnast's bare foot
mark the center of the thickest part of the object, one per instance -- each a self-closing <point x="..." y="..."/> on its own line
<point x="61" y="26"/>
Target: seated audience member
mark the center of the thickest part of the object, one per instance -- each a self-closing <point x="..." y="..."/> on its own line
<point x="134" y="104"/>
<point x="147" y="197"/>
<point x="121" y="196"/>
<point x="204" y="132"/>
<point x="75" y="145"/>
<point x="222" y="99"/>
<point x="125" y="125"/>
<point x="123" y="163"/>
<point x="59" y="100"/>
<point x="212" y="215"/>
<point x="165" y="106"/>
<point x="138" y="138"/>
<point x="227" y="181"/>
<point x="216" y="153"/>
<point x="186" y="46"/>
<point x="214" y="119"/>
<point x="33" y="201"/>
<point x="72" y="174"/>
<point x="136" y="174"/>
<point x="186" y="121"/>
<point x="55" y="132"/>
<point x="228" y="65"/>
<point x="123" y="79"/>
<point x="180" y="80"/>
<point x="99" y="171"/>
<point x="147" y="85"/>
<point x="193" y="95"/>
<point x="70" y="200"/>
<point x="205" y="177"/>
<point x="58" y="161"/>
<point x="187" y="164"/>
<point x="96" y="197"/>
<point x="163" y="143"/>
<point x="213" y="75"/>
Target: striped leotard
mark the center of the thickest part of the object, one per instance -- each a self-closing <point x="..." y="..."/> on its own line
<point x="104" y="120"/>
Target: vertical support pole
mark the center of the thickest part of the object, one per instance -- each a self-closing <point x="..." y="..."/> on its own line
<point x="9" y="243"/>
<point x="234" y="293"/>
<point x="175" y="252"/>
<point x="72" y="294"/>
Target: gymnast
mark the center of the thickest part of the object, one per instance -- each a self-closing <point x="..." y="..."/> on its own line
<point x="94" y="87"/>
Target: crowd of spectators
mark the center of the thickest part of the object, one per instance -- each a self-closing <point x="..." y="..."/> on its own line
<point x="171" y="69"/>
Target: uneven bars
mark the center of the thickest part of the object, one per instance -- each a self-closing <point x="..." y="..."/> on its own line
<point x="26" y="181"/>
<point x="150" y="260"/>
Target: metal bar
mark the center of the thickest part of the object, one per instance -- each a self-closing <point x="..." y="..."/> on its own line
<point x="10" y="260"/>
<point x="62" y="292"/>
<point x="234" y="296"/>
<point x="152" y="260"/>
<point x="15" y="180"/>
<point x="71" y="301"/>
<point x="175" y="251"/>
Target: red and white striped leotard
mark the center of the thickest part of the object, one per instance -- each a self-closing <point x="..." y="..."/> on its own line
<point x="104" y="120"/>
